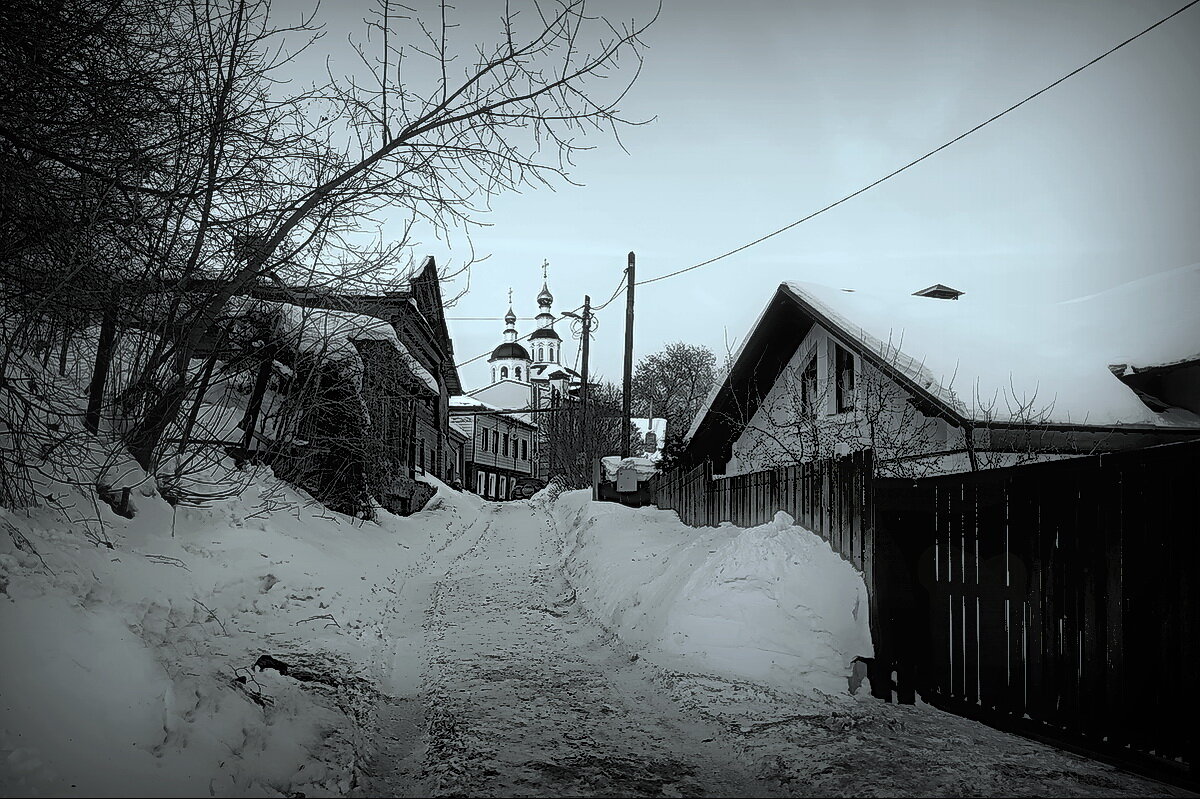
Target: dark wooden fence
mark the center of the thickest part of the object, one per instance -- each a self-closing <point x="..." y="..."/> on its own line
<point x="1052" y="599"/>
<point x="830" y="497"/>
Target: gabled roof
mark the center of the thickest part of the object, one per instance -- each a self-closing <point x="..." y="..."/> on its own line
<point x="425" y="289"/>
<point x="979" y="361"/>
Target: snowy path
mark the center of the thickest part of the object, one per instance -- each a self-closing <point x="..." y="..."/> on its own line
<point x="522" y="694"/>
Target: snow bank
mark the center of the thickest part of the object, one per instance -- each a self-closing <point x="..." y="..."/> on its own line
<point x="772" y="603"/>
<point x="121" y="665"/>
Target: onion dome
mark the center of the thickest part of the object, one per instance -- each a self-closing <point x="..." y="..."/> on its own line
<point x="509" y="349"/>
<point x="510" y="318"/>
<point x="544" y="296"/>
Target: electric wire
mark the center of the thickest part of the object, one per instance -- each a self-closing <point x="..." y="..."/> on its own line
<point x="525" y="337"/>
<point x="874" y="183"/>
<point x="916" y="161"/>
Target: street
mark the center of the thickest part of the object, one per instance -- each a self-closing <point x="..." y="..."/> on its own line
<point x="521" y="693"/>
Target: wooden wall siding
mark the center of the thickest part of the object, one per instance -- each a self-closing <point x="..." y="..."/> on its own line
<point x="830" y="497"/>
<point x="1056" y="591"/>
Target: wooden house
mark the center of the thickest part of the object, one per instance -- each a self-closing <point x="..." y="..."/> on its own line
<point x="941" y="380"/>
<point x="498" y="448"/>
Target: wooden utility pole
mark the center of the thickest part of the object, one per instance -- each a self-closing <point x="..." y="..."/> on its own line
<point x="626" y="394"/>
<point x="583" y="389"/>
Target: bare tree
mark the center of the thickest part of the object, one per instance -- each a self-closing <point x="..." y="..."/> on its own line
<point x="206" y="175"/>
<point x="673" y="384"/>
<point x="572" y="445"/>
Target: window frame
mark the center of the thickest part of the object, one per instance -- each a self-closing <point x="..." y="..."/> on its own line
<point x="843" y="367"/>
<point x="809" y="384"/>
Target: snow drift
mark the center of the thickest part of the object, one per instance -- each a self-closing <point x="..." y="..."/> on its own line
<point x="129" y="670"/>
<point x="771" y="603"/>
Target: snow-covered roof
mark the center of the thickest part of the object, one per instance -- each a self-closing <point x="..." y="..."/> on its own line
<point x="644" y="467"/>
<point x="471" y="403"/>
<point x="985" y="358"/>
<point x="460" y="401"/>
<point x="331" y="334"/>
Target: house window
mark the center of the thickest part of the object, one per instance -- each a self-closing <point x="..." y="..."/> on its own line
<point x="421" y="456"/>
<point x="524" y="449"/>
<point x="844" y="371"/>
<point x="503" y="372"/>
<point x="483" y="440"/>
<point x="808" y="387"/>
<point x="503" y="488"/>
<point x="491" y="486"/>
<point x="506" y="445"/>
<point x="495" y="441"/>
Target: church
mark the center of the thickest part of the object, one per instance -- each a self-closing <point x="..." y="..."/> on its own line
<point x="531" y="375"/>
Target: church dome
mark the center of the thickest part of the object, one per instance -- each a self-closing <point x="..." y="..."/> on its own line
<point x="510" y="318"/>
<point x="510" y="349"/>
<point x="544" y="332"/>
<point x="544" y="296"/>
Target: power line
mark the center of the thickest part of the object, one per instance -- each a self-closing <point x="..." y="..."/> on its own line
<point x="929" y="154"/>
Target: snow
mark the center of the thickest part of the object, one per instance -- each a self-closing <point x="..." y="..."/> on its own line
<point x="331" y="334"/>
<point x="772" y="603"/>
<point x="645" y="467"/>
<point x="986" y="357"/>
<point x="993" y="359"/>
<point x="134" y="692"/>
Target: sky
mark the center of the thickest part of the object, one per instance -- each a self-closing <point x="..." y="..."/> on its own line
<point x="763" y="112"/>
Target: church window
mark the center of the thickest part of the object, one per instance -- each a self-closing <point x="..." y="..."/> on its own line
<point x="518" y="371"/>
<point x="552" y="352"/>
<point x="493" y="374"/>
<point x="503" y="372"/>
<point x="541" y="353"/>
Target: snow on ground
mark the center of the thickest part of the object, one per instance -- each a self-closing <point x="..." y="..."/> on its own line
<point x="773" y="603"/>
<point x="550" y="647"/>
<point x="129" y="670"/>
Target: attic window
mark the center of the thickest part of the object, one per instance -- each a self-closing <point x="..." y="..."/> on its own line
<point x="939" y="292"/>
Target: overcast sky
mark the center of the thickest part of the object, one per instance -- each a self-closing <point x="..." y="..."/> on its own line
<point x="767" y="111"/>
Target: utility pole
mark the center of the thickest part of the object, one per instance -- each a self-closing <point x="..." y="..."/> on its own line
<point x="583" y="390"/>
<point x="628" y="389"/>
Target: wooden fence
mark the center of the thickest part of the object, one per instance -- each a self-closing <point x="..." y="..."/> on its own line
<point x="830" y="497"/>
<point x="1053" y="599"/>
